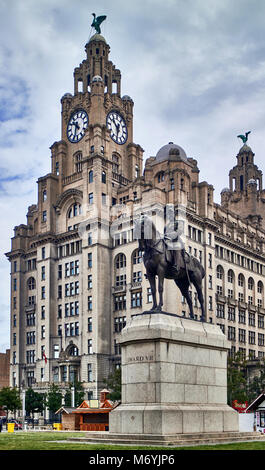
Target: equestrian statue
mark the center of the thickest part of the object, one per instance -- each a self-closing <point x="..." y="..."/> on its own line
<point x="166" y="258"/>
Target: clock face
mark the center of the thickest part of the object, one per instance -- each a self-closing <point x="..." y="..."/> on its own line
<point x="77" y="124"/>
<point x="117" y="127"/>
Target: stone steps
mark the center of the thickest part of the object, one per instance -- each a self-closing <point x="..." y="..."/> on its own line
<point x="169" y="440"/>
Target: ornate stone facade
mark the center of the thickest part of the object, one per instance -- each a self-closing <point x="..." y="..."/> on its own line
<point x="74" y="287"/>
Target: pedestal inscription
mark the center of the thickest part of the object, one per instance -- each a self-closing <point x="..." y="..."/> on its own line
<point x="173" y="378"/>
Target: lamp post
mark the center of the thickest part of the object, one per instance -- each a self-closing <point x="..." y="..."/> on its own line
<point x="23" y="407"/>
<point x="73" y="397"/>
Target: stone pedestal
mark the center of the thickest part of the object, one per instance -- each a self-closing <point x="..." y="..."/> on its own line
<point x="174" y="378"/>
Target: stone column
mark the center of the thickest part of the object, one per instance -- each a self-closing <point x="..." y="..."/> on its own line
<point x="174" y="378"/>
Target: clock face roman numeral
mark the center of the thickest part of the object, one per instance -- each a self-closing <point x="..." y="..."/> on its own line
<point x="77" y="124"/>
<point x="117" y="127"/>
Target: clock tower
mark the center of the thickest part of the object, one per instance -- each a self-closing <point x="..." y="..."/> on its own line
<point x="97" y="122"/>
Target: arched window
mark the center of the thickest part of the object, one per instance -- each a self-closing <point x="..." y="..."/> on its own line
<point x="78" y="162"/>
<point x="219" y="272"/>
<point x="75" y="209"/>
<point x="120" y="261"/>
<point x="90" y="176"/>
<point x="260" y="287"/>
<point x="103" y="177"/>
<point x="137" y="171"/>
<point x="250" y="283"/>
<point x="161" y="176"/>
<point x="182" y="184"/>
<point x="31" y="283"/>
<point x="230" y="276"/>
<point x="115" y="163"/>
<point x="241" y="280"/>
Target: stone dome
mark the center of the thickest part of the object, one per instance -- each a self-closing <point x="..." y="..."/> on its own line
<point x="126" y="98"/>
<point x="67" y="95"/>
<point x="252" y="181"/>
<point x="171" y="151"/>
<point x="97" y="78"/>
<point x="97" y="37"/>
<point x="245" y="149"/>
<point x="225" y="190"/>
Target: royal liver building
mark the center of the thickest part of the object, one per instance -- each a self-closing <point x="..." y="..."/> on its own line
<point x="77" y="274"/>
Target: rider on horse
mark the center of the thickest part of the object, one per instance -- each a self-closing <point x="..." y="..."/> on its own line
<point x="175" y="246"/>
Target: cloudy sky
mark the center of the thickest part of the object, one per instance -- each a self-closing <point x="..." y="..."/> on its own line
<point x="194" y="68"/>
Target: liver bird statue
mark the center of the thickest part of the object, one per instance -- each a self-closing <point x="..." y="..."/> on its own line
<point x="97" y="22"/>
<point x="244" y="138"/>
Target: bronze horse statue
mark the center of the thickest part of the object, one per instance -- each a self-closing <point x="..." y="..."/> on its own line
<point x="156" y="263"/>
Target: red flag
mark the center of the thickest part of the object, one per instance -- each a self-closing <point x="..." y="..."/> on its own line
<point x="44" y="356"/>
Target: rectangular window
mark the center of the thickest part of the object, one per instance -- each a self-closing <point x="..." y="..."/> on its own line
<point x="66" y="310"/>
<point x="120" y="302"/>
<point x="72" y="290"/>
<point x="89" y="346"/>
<point x="251" y="337"/>
<point x="89" y="260"/>
<point x="89" y="281"/>
<point x="43" y="292"/>
<point x="90" y="198"/>
<point x="44" y="216"/>
<point x="241" y="335"/>
<point x="231" y="333"/>
<point x="89" y="372"/>
<point x="76" y="267"/>
<point x="59" y="271"/>
<point x="59" y="311"/>
<point x="89" y="324"/>
<point x="42" y="312"/>
<point x="231" y="314"/>
<point x="67" y="290"/>
<point x="136" y="299"/>
<point x="76" y="287"/>
<point x="43" y="332"/>
<point x="137" y="276"/>
<point x="260" y="321"/>
<point x="72" y="268"/>
<point x="260" y="339"/>
<point x="43" y="273"/>
<point x="220" y="311"/>
<point x="56" y="351"/>
<point x="251" y="319"/>
<point x="67" y="270"/>
<point x="242" y="316"/>
<point x="89" y="302"/>
<point x="149" y="295"/>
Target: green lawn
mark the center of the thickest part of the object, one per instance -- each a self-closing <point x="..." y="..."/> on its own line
<point x="48" y="441"/>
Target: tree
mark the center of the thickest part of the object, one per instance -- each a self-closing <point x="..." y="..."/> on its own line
<point x="256" y="384"/>
<point x="79" y="394"/>
<point x="10" y="399"/>
<point x="34" y="402"/>
<point x="236" y="379"/>
<point x="54" y="398"/>
<point x="113" y="382"/>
